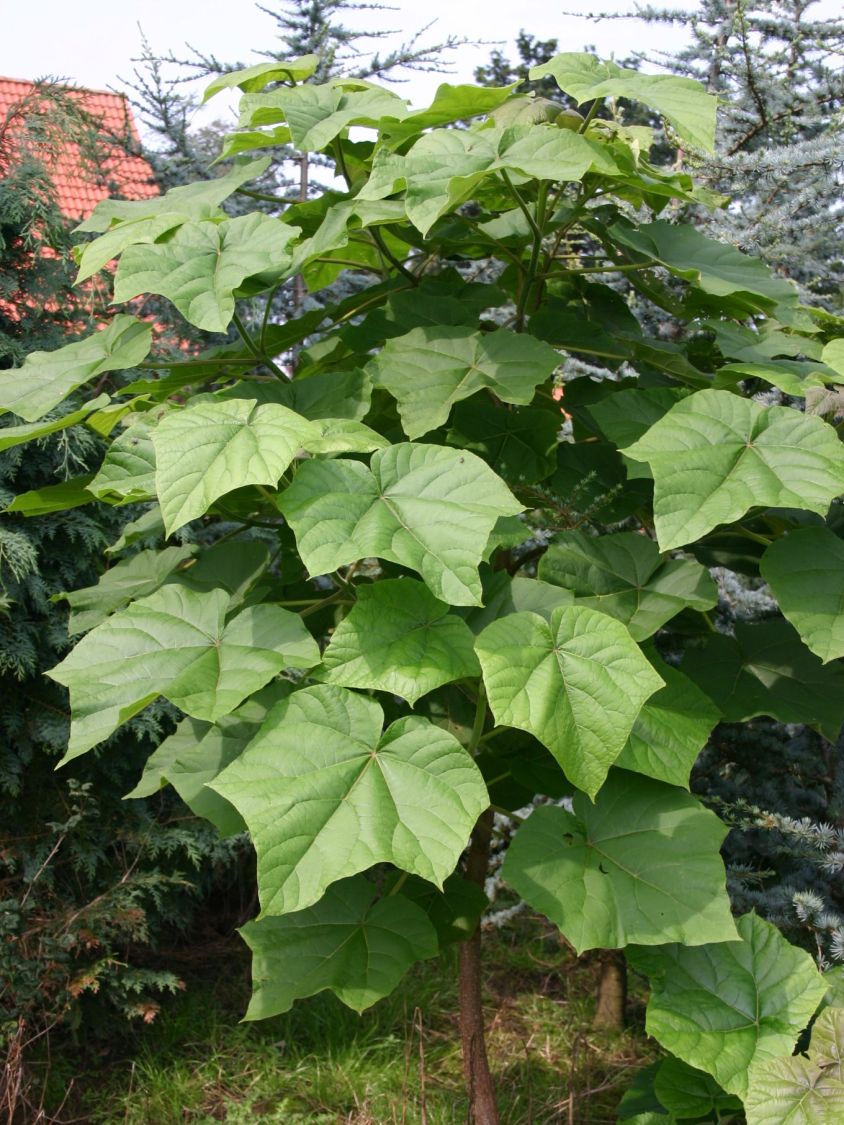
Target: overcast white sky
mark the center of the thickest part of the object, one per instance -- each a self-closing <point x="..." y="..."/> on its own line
<point x="92" y="42"/>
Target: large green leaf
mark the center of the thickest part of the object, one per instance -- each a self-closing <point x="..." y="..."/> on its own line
<point x="205" y="262"/>
<point x="671" y="729"/>
<point x="194" y="201"/>
<point x="136" y="577"/>
<point x="211" y="448"/>
<point x="326" y="795"/>
<point x="639" y="865"/>
<point x="430" y="369"/>
<point x="714" y="456"/>
<point x="765" y="670"/>
<point x="337" y="394"/>
<point x="504" y="595"/>
<point x="714" y="267"/>
<point x="399" y="638"/>
<point x="576" y="682"/>
<point x="625" y="576"/>
<point x="519" y="445"/>
<point x="794" y="377"/>
<point x="189" y="759"/>
<point x="422" y="506"/>
<point x="317" y="114"/>
<point x="444" y="167"/>
<point x="351" y="942"/>
<point x="683" y="102"/>
<point x="47" y="378"/>
<point x="257" y="77"/>
<point x="176" y="643"/>
<point x="723" y="1007"/>
<point x="450" y="104"/>
<point x="689" y="1093"/>
<point x="796" y="1090"/>
<point x="130" y="222"/>
<point x="72" y="493"/>
<point x="127" y="473"/>
<point x="11" y="436"/>
<point x="805" y="570"/>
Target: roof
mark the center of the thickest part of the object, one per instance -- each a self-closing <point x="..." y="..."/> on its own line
<point x="81" y="183"/>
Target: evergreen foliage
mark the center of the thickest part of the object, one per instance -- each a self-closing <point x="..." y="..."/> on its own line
<point x="85" y="878"/>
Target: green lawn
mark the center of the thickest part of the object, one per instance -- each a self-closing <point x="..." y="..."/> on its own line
<point x="398" y="1063"/>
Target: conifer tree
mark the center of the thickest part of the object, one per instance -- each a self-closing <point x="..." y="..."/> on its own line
<point x="83" y="874"/>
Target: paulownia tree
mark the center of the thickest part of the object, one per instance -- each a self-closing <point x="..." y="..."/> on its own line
<point x="431" y="628"/>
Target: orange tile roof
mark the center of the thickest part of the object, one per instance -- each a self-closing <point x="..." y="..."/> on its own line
<point x="79" y="187"/>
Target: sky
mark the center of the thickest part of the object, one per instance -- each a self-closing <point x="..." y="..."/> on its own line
<point x="92" y="42"/>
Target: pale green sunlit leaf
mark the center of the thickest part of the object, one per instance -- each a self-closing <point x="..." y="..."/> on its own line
<point x="576" y="682"/>
<point x="326" y="795"/>
<point x="46" y="378"/>
<point x="399" y="638"/>
<point x="714" y="456"/>
<point x="640" y="865"/>
<point x="176" y="643"/>
<point x="683" y="102"/>
<point x="422" y="506"/>
<point x="723" y="1007"/>
<point x="430" y="369"/>
<point x="200" y="268"/>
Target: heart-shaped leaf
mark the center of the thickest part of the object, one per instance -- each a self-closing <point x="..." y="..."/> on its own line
<point x="671" y="729"/>
<point x="46" y="378"/>
<point x="723" y="1007"/>
<point x="682" y="101"/>
<point x="764" y="670"/>
<point x="805" y="570"/>
<point x="399" y="638"/>
<point x="176" y="643"/>
<point x="422" y="506"/>
<point x="133" y="578"/>
<point x="326" y="795"/>
<point x="714" y="456"/>
<point x="204" y="263"/>
<point x="209" y="449"/>
<point x="640" y="864"/>
<point x="799" y="1090"/>
<point x="351" y="942"/>
<point x="576" y="682"/>
<point x="127" y="473"/>
<point x="625" y="576"/>
<point x="430" y="369"/>
<point x="520" y="445"/>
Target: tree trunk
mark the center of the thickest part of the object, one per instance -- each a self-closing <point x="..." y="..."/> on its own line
<point x="612" y="993"/>
<point x="483" y="1109"/>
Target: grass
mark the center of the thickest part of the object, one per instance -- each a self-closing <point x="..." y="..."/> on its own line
<point x="398" y="1064"/>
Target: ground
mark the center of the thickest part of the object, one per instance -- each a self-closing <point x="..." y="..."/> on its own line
<point x="398" y="1064"/>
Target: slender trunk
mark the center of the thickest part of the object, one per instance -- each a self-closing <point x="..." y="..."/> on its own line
<point x="612" y="993"/>
<point x="483" y="1109"/>
<point x="299" y="282"/>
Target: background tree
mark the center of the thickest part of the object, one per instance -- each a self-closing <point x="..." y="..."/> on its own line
<point x="86" y="879"/>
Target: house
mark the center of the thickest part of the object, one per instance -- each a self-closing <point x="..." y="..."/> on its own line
<point x="109" y="165"/>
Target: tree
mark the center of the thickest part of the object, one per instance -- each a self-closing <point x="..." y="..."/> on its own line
<point x="781" y="137"/>
<point x="415" y="606"/>
<point x="85" y="878"/>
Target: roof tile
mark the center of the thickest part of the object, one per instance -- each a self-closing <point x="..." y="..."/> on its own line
<point x="79" y="188"/>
